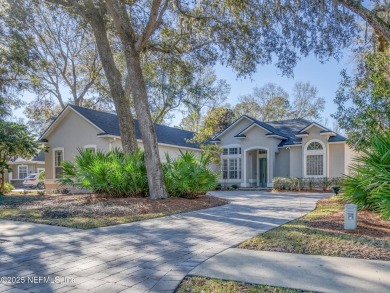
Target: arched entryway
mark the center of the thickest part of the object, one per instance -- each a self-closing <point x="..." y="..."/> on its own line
<point x="256" y="167"/>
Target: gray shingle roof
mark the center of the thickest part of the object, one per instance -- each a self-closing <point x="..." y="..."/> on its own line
<point x="109" y="124"/>
<point x="291" y="127"/>
<point x="38" y="158"/>
<point x="284" y="128"/>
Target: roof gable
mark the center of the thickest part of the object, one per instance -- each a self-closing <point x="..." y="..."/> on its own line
<point x="60" y="117"/>
<point x="323" y="128"/>
<point x="234" y="123"/>
<point x="289" y="131"/>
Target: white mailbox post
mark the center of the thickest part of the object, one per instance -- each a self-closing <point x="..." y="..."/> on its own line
<point x="350" y="216"/>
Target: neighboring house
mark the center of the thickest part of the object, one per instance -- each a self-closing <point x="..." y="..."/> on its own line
<point x="21" y="168"/>
<point x="254" y="152"/>
<point x="78" y="127"/>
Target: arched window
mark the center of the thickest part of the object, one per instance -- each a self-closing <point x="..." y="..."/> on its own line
<point x="314" y="155"/>
<point x="314" y="146"/>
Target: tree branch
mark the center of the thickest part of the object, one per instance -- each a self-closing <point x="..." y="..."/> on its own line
<point x="155" y="20"/>
<point x="380" y="27"/>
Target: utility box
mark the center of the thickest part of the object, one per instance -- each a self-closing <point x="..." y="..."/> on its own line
<point x="350" y="216"/>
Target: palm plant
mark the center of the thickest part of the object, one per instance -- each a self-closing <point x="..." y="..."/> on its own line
<point x="118" y="174"/>
<point x="187" y="176"/>
<point x="113" y="173"/>
<point x="369" y="187"/>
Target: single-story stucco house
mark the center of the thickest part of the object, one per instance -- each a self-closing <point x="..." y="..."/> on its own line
<point x="79" y="127"/>
<point x="21" y="167"/>
<point x="254" y="152"/>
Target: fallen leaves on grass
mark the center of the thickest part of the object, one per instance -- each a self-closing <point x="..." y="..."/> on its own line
<point x="321" y="232"/>
<point x="206" y="285"/>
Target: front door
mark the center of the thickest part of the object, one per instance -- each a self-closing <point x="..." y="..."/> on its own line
<point x="263" y="172"/>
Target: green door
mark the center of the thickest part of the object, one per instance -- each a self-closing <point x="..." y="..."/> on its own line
<point x="263" y="171"/>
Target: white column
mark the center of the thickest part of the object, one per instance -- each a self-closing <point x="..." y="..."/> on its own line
<point x="244" y="182"/>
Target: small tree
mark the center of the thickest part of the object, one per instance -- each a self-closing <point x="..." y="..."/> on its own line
<point x="306" y="103"/>
<point x="269" y="102"/>
<point x="215" y="121"/>
<point x="363" y="100"/>
<point x="15" y="140"/>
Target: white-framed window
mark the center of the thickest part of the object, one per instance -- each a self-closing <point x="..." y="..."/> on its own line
<point x="22" y="171"/>
<point x="91" y="147"/>
<point x="58" y="159"/>
<point x="225" y="169"/>
<point x="231" y="162"/>
<point x="231" y="151"/>
<point x="315" y="159"/>
<point x="39" y="170"/>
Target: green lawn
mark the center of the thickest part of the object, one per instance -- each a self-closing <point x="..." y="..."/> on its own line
<point x="321" y="232"/>
<point x="206" y="285"/>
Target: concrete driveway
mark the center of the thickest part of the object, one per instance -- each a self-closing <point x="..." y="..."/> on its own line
<point x="148" y="256"/>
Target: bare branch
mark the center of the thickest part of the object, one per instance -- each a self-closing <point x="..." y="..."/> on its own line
<point x="155" y="20"/>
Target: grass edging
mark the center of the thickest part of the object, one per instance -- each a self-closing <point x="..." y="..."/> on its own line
<point x="320" y="232"/>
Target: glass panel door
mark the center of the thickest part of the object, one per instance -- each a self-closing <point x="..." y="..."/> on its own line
<point x="263" y="172"/>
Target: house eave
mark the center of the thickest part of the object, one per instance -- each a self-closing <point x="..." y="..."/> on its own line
<point x="26" y="163"/>
<point x="276" y="136"/>
<point x="290" y="145"/>
<point x="330" y="133"/>
<point x="104" y="135"/>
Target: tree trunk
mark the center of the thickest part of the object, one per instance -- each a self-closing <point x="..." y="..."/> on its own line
<point x="135" y="81"/>
<point x="2" y="183"/>
<point x="114" y="79"/>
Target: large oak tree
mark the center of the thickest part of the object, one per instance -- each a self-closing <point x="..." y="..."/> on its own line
<point x="240" y="34"/>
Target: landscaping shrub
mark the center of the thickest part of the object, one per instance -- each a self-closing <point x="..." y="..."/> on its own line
<point x="187" y="176"/>
<point x="113" y="173"/>
<point x="121" y="175"/>
<point x="281" y="183"/>
<point x="42" y="175"/>
<point x="8" y="187"/>
<point x="369" y="187"/>
<point x="298" y="184"/>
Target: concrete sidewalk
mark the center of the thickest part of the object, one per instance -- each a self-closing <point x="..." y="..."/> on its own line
<point x="307" y="272"/>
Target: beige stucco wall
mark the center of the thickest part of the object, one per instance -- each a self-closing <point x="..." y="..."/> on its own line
<point x="71" y="133"/>
<point x="336" y="159"/>
<point x="172" y="151"/>
<point x="296" y="161"/>
<point x="282" y="163"/>
<point x="350" y="155"/>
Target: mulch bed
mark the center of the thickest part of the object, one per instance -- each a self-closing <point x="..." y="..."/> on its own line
<point x="369" y="224"/>
<point x="96" y="206"/>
